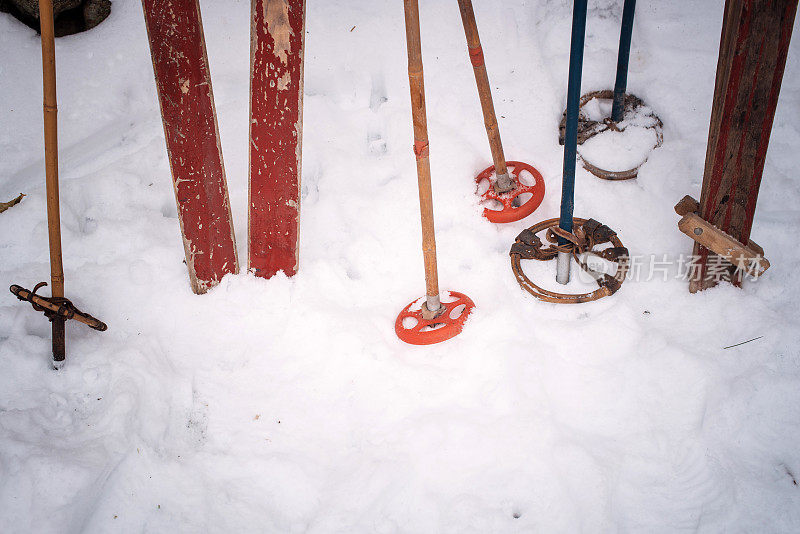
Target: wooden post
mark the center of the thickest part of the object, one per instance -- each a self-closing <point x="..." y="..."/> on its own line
<point x="752" y="55"/>
<point x="419" y="116"/>
<point x="503" y="183"/>
<point x="51" y="170"/>
<point x="183" y="81"/>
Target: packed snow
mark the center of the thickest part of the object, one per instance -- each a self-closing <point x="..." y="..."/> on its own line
<point x="621" y="150"/>
<point x="290" y="405"/>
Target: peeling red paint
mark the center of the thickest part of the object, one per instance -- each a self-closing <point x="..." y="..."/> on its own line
<point x="277" y="35"/>
<point x="183" y="81"/>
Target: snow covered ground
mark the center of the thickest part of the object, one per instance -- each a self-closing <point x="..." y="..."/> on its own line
<point x="289" y="405"/>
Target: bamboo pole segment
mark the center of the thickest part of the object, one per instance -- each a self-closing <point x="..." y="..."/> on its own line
<point x="623" y="57"/>
<point x="51" y="168"/>
<point x="571" y="137"/>
<point x="417" y="85"/>
<point x="504" y="182"/>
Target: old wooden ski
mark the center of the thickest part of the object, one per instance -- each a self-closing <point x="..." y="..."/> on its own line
<point x="277" y="30"/>
<point x="752" y="56"/>
<point x="183" y="81"/>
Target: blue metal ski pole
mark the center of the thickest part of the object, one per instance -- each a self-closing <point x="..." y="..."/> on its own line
<point x="618" y="111"/>
<point x="571" y="137"/>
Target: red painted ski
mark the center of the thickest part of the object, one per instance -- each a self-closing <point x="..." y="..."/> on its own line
<point x="183" y="82"/>
<point x="277" y="35"/>
<point x="752" y="57"/>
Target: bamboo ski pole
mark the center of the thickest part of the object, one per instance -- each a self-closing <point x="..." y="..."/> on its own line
<point x="57" y="308"/>
<point x="504" y="182"/>
<point x="571" y="136"/>
<point x="618" y="109"/>
<point x="417" y="85"/>
<point x="51" y="169"/>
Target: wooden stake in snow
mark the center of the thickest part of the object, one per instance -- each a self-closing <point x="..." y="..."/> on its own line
<point x="277" y="35"/>
<point x="183" y="81"/>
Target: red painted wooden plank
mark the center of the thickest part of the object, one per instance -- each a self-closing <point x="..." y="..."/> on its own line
<point x="183" y="81"/>
<point x="277" y="33"/>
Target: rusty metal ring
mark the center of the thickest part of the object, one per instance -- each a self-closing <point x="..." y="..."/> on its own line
<point x="588" y="128"/>
<point x="607" y="284"/>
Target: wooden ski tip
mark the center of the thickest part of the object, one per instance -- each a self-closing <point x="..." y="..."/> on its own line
<point x="277" y="33"/>
<point x="194" y="150"/>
